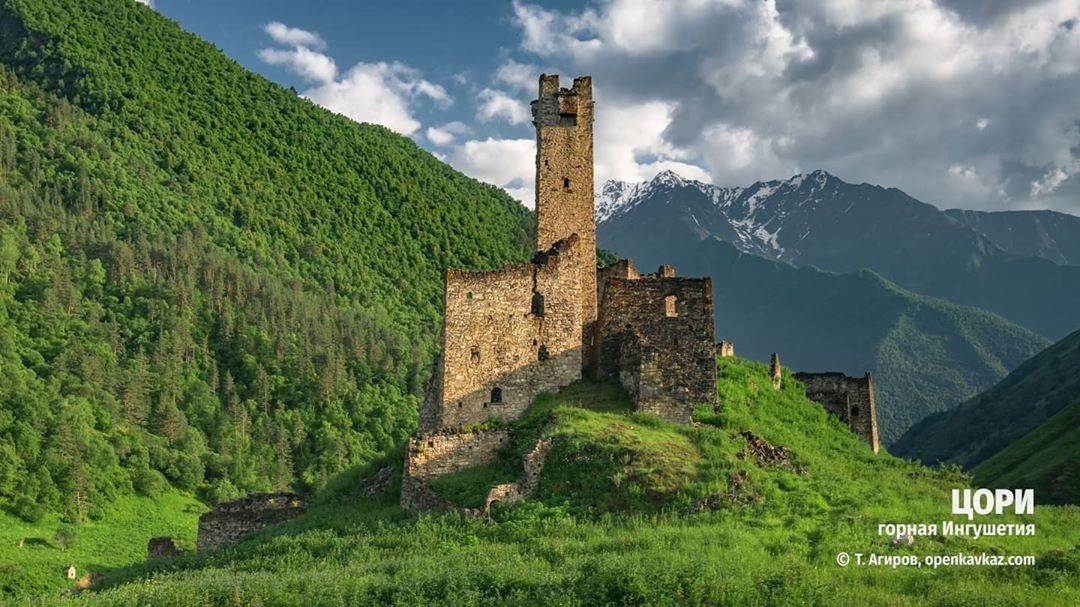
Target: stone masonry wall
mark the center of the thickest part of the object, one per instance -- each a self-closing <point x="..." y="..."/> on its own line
<point x="508" y="335"/>
<point x="564" y="176"/>
<point x="228" y="522"/>
<point x="161" y="548"/>
<point x="526" y="486"/>
<point x="850" y="398"/>
<point x="441" y="453"/>
<point x="672" y="323"/>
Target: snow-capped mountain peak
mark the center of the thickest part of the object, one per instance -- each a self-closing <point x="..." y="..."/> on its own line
<point x="756" y="214"/>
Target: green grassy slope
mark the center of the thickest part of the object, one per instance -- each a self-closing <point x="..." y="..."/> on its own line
<point x="926" y="354"/>
<point x="988" y="423"/>
<point x="118" y="539"/>
<point x="634" y="510"/>
<point x="204" y="279"/>
<point x="1047" y="459"/>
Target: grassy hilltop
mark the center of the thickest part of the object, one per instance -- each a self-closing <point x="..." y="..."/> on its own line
<point x="750" y="505"/>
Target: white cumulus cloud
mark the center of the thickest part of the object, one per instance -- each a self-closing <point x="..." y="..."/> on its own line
<point x="496" y="104"/>
<point x="506" y="163"/>
<point x="293" y="36"/>
<point x="447" y="133"/>
<point x="381" y="92"/>
<point x="310" y="65"/>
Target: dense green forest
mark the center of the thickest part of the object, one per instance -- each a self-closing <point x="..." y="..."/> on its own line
<point x="985" y="425"/>
<point x="205" y="280"/>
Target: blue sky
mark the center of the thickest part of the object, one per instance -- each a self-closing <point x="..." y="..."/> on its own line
<point x="961" y="103"/>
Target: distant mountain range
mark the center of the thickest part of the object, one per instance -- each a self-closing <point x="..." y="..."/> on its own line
<point x="952" y="300"/>
<point x="1007" y="263"/>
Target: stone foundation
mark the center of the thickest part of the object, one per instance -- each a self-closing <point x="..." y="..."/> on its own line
<point x="228" y="522"/>
<point x="160" y="548"/>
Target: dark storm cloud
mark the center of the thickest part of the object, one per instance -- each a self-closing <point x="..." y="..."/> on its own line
<point x="983" y="12"/>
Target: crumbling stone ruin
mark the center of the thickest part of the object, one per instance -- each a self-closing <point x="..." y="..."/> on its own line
<point x="776" y="371"/>
<point x="725" y="349"/>
<point x="443" y="452"/>
<point x="377" y="483"/>
<point x="228" y="522"/>
<point x="161" y="548"/>
<point x="658" y="354"/>
<point x="850" y="398"/>
<point x="525" y="487"/>
<point x="512" y="334"/>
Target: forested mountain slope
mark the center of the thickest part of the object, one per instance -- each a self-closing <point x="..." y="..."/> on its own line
<point x="1034" y="393"/>
<point x="1045" y="459"/>
<point x="205" y="279"/>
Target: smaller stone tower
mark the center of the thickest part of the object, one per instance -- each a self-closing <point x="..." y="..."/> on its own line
<point x="849" y="398"/>
<point x="775" y="371"/>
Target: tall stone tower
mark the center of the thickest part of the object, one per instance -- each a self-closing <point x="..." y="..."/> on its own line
<point x="564" y="179"/>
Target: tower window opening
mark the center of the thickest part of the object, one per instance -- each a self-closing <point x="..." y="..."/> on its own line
<point x="475" y="354"/>
<point x="537" y="304"/>
<point x="542" y="354"/>
<point x="566" y="183"/>
<point x="496" y="395"/>
<point x="854" y="412"/>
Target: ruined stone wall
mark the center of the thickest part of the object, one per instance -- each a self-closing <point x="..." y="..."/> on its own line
<point x="564" y="177"/>
<point x="161" y="548"/>
<point x="725" y="349"/>
<point x="623" y="268"/>
<point x="850" y="398"/>
<point x="441" y="453"/>
<point x="669" y="363"/>
<point x="508" y="335"/>
<point x="526" y="486"/>
<point x="431" y="408"/>
<point x="228" y="522"/>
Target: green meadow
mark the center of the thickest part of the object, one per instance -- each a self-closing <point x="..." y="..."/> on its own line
<point x="632" y="510"/>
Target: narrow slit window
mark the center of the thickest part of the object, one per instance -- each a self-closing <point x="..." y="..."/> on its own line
<point x="566" y="183"/>
<point x="537" y="304"/>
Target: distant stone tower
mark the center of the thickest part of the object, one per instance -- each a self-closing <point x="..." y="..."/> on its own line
<point x="725" y="349"/>
<point x="564" y="178"/>
<point x="850" y="398"/>
<point x="775" y="371"/>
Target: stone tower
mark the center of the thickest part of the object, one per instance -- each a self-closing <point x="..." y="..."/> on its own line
<point x="564" y="178"/>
